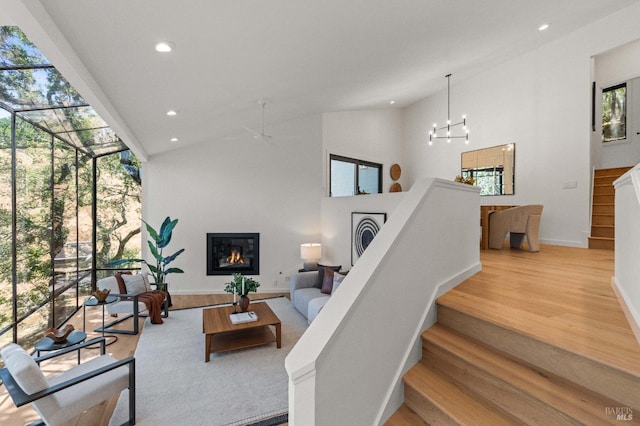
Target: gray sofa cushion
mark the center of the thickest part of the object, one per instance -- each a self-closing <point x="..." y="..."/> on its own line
<point x="304" y="296"/>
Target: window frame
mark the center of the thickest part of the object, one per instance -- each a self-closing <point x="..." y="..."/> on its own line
<point x="357" y="163"/>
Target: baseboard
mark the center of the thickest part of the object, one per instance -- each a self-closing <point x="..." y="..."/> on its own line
<point x="566" y="243"/>
<point x="633" y="317"/>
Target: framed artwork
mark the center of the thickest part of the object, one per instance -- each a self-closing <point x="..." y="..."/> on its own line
<point x="364" y="227"/>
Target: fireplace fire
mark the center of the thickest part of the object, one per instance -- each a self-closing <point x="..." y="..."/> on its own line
<point x="228" y="253"/>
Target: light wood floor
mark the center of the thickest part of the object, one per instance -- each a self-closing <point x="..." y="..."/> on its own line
<point x="567" y="289"/>
<point x="124" y="346"/>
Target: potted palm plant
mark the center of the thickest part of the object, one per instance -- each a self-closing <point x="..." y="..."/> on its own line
<point x="158" y="268"/>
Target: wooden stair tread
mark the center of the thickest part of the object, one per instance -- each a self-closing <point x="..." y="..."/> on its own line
<point x="461" y="406"/>
<point x="545" y="329"/>
<point x="552" y="395"/>
<point x="405" y="416"/>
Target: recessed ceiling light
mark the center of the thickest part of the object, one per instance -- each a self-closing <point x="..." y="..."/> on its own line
<point x="164" y="47"/>
<point x="392" y="102"/>
<point x="543" y="27"/>
<point x="174" y="139"/>
<point x="171" y="113"/>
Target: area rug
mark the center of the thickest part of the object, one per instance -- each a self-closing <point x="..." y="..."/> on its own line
<point x="175" y="386"/>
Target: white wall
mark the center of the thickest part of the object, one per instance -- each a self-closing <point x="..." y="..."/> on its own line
<point x="619" y="65"/>
<point x="374" y="135"/>
<point x="337" y="225"/>
<point x="627" y="272"/>
<point x="541" y="102"/>
<point x="240" y="185"/>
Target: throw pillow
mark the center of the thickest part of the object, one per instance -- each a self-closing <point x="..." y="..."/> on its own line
<point x="134" y="284"/>
<point x="337" y="280"/>
<point x="327" y="281"/>
<point x="147" y="284"/>
<point x="321" y="269"/>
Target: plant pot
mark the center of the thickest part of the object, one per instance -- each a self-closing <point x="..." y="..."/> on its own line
<point x="244" y="303"/>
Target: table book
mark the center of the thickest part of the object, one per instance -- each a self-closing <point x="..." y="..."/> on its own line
<point x="243" y="317"/>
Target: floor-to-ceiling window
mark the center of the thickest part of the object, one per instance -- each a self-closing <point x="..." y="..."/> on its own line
<point x="56" y="153"/>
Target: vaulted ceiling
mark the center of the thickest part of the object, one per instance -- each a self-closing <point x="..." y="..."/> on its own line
<point x="302" y="56"/>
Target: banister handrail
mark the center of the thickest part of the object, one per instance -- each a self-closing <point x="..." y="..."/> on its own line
<point x="369" y="329"/>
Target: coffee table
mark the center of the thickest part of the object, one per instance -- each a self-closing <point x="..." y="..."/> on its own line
<point x="221" y="335"/>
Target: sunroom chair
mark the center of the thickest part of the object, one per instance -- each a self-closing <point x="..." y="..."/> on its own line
<point x="519" y="222"/>
<point x="61" y="398"/>
<point x="136" y="300"/>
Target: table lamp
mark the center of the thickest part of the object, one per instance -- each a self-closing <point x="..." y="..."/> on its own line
<point x="310" y="253"/>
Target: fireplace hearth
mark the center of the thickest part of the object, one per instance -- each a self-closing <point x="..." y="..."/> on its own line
<point x="229" y="253"/>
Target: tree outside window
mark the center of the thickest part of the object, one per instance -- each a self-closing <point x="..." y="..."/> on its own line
<point x="614" y="113"/>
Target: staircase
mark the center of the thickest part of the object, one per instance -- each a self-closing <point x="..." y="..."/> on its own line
<point x="477" y="369"/>
<point x="603" y="208"/>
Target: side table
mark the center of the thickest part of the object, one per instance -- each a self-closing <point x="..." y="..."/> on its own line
<point x="92" y="301"/>
<point x="47" y="344"/>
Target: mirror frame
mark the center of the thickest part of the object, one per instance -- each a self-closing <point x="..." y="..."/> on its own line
<point x="497" y="161"/>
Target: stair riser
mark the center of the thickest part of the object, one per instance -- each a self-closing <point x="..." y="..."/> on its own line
<point x="607" y="232"/>
<point x="606" y="220"/>
<point x="604" y="180"/>
<point x="604" y="190"/>
<point x="508" y="397"/>
<point x="425" y="408"/>
<point x="607" y="209"/>
<point x="604" y="199"/>
<point x="610" y="383"/>
<point x="602" y="244"/>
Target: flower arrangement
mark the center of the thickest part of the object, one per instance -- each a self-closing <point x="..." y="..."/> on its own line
<point x="241" y="285"/>
<point x="468" y="180"/>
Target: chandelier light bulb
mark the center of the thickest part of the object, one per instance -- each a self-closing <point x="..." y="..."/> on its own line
<point x="449" y="131"/>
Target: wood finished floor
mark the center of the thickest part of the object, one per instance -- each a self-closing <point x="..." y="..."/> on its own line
<point x="561" y="293"/>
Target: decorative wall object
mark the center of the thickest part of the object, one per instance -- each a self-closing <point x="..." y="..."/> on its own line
<point x="395" y="171"/>
<point x="395" y="187"/>
<point x="364" y="227"/>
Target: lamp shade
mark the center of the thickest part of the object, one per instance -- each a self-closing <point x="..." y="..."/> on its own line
<point x="311" y="251"/>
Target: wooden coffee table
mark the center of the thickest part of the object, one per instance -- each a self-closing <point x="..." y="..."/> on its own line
<point x="221" y="335"/>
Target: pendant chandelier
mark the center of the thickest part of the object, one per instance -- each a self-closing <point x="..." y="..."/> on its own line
<point x="450" y="128"/>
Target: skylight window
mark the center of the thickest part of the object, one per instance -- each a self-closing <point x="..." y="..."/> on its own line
<point x="32" y="88"/>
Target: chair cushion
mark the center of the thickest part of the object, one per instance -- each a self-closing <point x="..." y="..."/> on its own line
<point x="134" y="284"/>
<point x="108" y="283"/>
<point x="24" y="369"/>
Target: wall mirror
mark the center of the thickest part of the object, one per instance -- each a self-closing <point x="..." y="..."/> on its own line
<point x="493" y="169"/>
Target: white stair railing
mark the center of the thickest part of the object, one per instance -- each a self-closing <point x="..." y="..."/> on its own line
<point x="347" y="367"/>
<point x="626" y="281"/>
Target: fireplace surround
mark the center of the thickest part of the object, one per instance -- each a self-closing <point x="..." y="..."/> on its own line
<point x="233" y="252"/>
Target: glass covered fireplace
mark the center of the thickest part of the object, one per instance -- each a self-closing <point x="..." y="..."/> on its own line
<point x="228" y="253"/>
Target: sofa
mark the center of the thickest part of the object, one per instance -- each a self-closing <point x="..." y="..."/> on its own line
<point x="311" y="290"/>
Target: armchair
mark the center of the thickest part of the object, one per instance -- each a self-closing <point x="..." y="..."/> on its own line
<point x="61" y="398"/>
<point x="518" y="222"/>
<point x="133" y="302"/>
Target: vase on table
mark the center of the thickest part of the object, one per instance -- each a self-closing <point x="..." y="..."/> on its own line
<point x="244" y="303"/>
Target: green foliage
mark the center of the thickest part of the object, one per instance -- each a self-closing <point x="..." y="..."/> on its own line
<point x="250" y="285"/>
<point x="614" y="114"/>
<point x="159" y="240"/>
